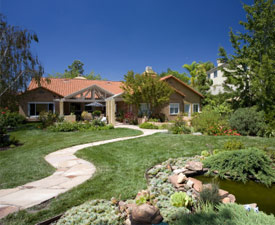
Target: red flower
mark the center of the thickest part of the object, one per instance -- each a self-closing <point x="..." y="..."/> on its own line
<point x="3" y="112"/>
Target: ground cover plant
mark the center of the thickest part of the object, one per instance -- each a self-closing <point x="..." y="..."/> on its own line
<point x="242" y="165"/>
<point x="119" y="165"/>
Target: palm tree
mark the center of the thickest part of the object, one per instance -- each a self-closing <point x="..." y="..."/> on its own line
<point x="192" y="69"/>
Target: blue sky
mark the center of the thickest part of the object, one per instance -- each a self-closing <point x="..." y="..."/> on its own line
<point x="113" y="36"/>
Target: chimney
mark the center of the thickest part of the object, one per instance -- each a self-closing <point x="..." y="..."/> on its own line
<point x="148" y="69"/>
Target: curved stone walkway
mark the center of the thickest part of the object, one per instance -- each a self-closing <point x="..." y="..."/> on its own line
<point x="71" y="171"/>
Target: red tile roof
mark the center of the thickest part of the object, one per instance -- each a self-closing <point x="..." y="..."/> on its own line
<point x="64" y="87"/>
<point x="171" y="76"/>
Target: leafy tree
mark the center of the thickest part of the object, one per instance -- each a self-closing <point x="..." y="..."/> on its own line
<point x="17" y="63"/>
<point x="192" y="69"/>
<point x="182" y="76"/>
<point x="145" y="88"/>
<point x="251" y="69"/>
<point x="74" y="70"/>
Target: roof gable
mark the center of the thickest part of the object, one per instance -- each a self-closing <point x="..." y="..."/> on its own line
<point x="181" y="82"/>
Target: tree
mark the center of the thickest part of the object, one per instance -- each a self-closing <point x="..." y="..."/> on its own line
<point x="145" y="88"/>
<point x="251" y="69"/>
<point x="17" y="63"/>
<point x="74" y="70"/>
<point x="182" y="76"/>
<point x="192" y="69"/>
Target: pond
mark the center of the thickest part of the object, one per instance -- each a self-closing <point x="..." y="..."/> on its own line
<point x="250" y="192"/>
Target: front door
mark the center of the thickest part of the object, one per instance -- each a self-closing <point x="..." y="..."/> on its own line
<point x="187" y="109"/>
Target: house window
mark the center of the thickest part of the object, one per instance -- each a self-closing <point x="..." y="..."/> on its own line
<point x="35" y="108"/>
<point x="215" y="74"/>
<point x="196" y="107"/>
<point x="174" y="108"/>
<point x="187" y="109"/>
<point x="143" y="109"/>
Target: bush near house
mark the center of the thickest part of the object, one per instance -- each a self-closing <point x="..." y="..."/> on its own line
<point x="49" y="118"/>
<point x="248" y="121"/>
<point x="147" y="125"/>
<point x="10" y="119"/>
<point x="242" y="164"/>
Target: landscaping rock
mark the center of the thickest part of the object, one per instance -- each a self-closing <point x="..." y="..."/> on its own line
<point x="145" y="214"/>
<point x="181" y="178"/>
<point x="197" y="184"/>
<point x="173" y="179"/>
<point x="226" y="200"/>
<point x="197" y="133"/>
<point x="178" y="171"/>
<point x="190" y="173"/>
<point x="190" y="183"/>
<point x="232" y="198"/>
<point x="195" y="166"/>
<point x="223" y="193"/>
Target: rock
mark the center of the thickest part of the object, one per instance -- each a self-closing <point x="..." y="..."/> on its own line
<point x="223" y="193"/>
<point x="252" y="205"/>
<point x="181" y="178"/>
<point x="122" y="206"/>
<point x="190" y="183"/>
<point x="216" y="171"/>
<point x="232" y="198"/>
<point x="190" y="173"/>
<point x="226" y="200"/>
<point x="145" y="214"/>
<point x="129" y="207"/>
<point x="197" y="184"/>
<point x="206" y="186"/>
<point x="128" y="222"/>
<point x="173" y="179"/>
<point x="197" y="133"/>
<point x="195" y="166"/>
<point x="178" y="171"/>
<point x="174" y="167"/>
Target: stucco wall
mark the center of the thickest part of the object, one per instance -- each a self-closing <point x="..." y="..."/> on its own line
<point x="37" y="95"/>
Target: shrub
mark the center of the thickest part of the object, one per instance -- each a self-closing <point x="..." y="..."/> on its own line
<point x="247" y="121"/>
<point x="233" y="145"/>
<point x="231" y="214"/>
<point x="180" y="130"/>
<point x="147" y="125"/>
<point x="207" y="120"/>
<point x="98" y="123"/>
<point x="86" y="116"/>
<point x="49" y="118"/>
<point x="96" y="113"/>
<point x="210" y="195"/>
<point x="180" y="199"/>
<point x="10" y="119"/>
<point x="241" y="165"/>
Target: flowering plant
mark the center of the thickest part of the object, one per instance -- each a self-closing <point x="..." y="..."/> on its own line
<point x="218" y="130"/>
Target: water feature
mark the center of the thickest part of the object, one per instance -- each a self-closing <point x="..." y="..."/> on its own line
<point x="250" y="192"/>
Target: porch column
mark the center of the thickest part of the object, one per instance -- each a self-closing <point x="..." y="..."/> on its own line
<point x="61" y="108"/>
<point x="110" y="111"/>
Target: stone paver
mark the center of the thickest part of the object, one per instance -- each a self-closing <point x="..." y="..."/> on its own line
<point x="71" y="171"/>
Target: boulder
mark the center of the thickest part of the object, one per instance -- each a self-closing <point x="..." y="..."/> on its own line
<point x="226" y="200"/>
<point x="174" y="180"/>
<point x="197" y="184"/>
<point x="195" y="166"/>
<point x="178" y="171"/>
<point x="189" y="183"/>
<point x="190" y="173"/>
<point x="223" y="193"/>
<point x="145" y="214"/>
<point x="181" y="178"/>
<point x="233" y="198"/>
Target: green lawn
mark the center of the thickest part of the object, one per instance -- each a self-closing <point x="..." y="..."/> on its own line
<point x="121" y="167"/>
<point x="26" y="163"/>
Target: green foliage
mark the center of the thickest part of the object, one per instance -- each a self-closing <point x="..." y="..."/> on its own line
<point x="181" y="76"/>
<point x="147" y="125"/>
<point x="146" y="88"/>
<point x="233" y="145"/>
<point x="247" y="121"/>
<point x="142" y="197"/>
<point x="18" y="65"/>
<point x="251" y="68"/>
<point x="78" y="126"/>
<point x="179" y="127"/>
<point x="96" y="113"/>
<point x="180" y="199"/>
<point x="241" y="165"/>
<point x="10" y="119"/>
<point x="210" y="195"/>
<point x="204" y="121"/>
<point x="231" y="214"/>
<point x="74" y="70"/>
<point x="49" y="118"/>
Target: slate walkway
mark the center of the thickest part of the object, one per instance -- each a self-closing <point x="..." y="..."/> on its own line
<point x="71" y="171"/>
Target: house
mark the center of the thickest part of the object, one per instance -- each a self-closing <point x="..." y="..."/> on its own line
<point x="217" y="76"/>
<point x="66" y="96"/>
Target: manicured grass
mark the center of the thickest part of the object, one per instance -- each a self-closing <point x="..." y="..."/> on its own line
<point x="121" y="167"/>
<point x="26" y="163"/>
